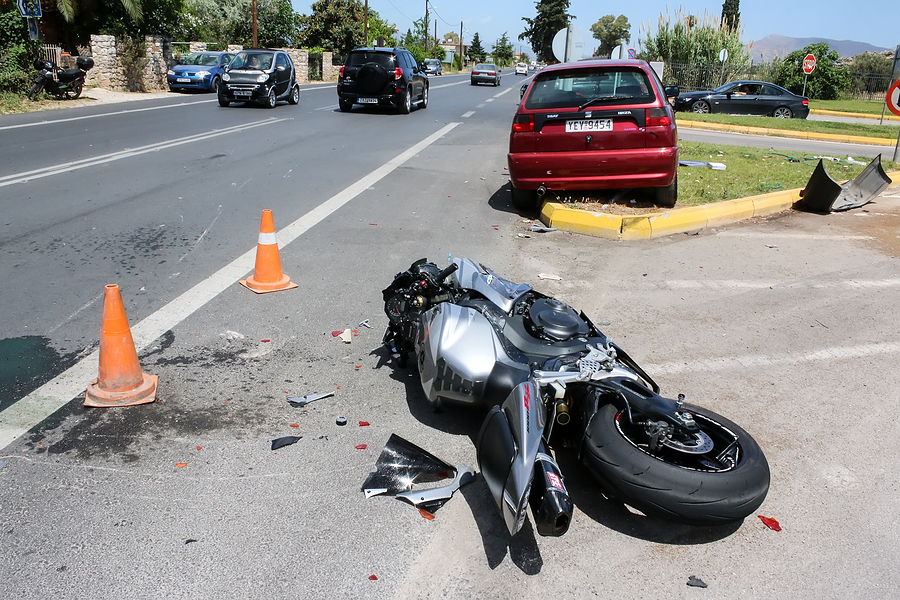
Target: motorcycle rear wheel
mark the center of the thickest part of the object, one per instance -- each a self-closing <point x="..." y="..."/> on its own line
<point x="73" y="92"/>
<point x="687" y="488"/>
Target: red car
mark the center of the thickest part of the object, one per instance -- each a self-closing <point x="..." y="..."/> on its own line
<point x="598" y="124"/>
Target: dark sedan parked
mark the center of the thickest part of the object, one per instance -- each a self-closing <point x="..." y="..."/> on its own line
<point x="746" y="98"/>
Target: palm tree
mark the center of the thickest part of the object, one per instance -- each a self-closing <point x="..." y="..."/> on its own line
<point x="69" y="8"/>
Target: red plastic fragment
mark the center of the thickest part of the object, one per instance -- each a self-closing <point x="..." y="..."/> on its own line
<point x="373" y="577"/>
<point x="266" y="340"/>
<point x="361" y="446"/>
<point x="363" y="423"/>
<point x="426" y="515"/>
<point x="199" y="447"/>
<point x="373" y="223"/>
<point x="180" y="465"/>
<point x="336" y="333"/>
<point x="770" y="523"/>
<point x="295" y="424"/>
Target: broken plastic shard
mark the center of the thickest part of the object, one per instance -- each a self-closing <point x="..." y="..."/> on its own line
<point x="365" y="323"/>
<point x="770" y="523"/>
<point x="346" y="336"/>
<point x="373" y="577"/>
<point x="401" y="464"/>
<point x="363" y="423"/>
<point x="285" y="441"/>
<point x="2" y="464"/>
<point x="426" y="515"/>
<point x="304" y="400"/>
<point x="542" y="228"/>
<point x="361" y="446"/>
<point x="434" y="498"/>
<point x="549" y="276"/>
<point x="696" y="582"/>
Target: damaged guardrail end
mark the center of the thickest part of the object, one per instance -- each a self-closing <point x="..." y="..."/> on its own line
<point x="823" y="194"/>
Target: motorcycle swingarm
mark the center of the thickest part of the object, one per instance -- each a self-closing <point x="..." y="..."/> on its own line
<point x="647" y="402"/>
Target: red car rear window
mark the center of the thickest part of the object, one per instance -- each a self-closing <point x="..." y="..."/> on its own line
<point x="571" y="89"/>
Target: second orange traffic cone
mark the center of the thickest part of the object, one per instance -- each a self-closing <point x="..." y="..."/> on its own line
<point x="267" y="275"/>
<point x="121" y="382"/>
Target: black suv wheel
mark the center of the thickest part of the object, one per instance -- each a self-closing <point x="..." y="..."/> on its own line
<point x="382" y="76"/>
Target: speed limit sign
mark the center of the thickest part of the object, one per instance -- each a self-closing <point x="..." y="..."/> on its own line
<point x="893" y="98"/>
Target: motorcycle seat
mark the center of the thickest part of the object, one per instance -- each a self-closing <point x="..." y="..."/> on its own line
<point x="70" y="74"/>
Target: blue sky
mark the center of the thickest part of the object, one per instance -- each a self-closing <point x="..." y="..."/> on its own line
<point x="876" y="22"/>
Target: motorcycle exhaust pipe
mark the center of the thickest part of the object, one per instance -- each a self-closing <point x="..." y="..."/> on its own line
<point x="550" y="504"/>
<point x="562" y="413"/>
<point x="541" y="191"/>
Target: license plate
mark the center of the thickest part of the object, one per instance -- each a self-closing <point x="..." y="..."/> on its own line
<point x="367" y="100"/>
<point x="183" y="80"/>
<point x="242" y="93"/>
<point x="588" y="125"/>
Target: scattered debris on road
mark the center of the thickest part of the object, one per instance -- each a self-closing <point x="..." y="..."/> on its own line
<point x="301" y="401"/>
<point x="696" y="582"/>
<point x="770" y="523"/>
<point x="285" y="441"/>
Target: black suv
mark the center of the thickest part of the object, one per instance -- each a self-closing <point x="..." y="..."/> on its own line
<point x="385" y="76"/>
<point x="263" y="76"/>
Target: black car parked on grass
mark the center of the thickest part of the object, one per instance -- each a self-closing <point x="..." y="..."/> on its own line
<point x="262" y="76"/>
<point x="746" y="98"/>
<point x="382" y="76"/>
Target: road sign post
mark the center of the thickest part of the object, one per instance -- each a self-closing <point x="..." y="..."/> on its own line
<point x="809" y="65"/>
<point x="723" y="56"/>
<point x="29" y="8"/>
<point x="892" y="102"/>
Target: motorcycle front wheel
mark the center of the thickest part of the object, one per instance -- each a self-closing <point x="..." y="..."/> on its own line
<point x="35" y="91"/>
<point x="722" y="484"/>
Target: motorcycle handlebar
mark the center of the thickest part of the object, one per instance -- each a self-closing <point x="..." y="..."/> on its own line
<point x="446" y="272"/>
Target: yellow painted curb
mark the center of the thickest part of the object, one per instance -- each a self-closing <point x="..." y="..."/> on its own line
<point x="680" y="220"/>
<point x="840" y="113"/>
<point x="803" y="135"/>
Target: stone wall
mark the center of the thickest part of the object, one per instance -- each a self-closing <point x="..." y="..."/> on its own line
<point x="108" y="71"/>
<point x="329" y="71"/>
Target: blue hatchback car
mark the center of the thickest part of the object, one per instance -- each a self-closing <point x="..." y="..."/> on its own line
<point x="198" y="71"/>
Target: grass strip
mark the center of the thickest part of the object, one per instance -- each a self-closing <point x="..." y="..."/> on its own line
<point x="805" y="125"/>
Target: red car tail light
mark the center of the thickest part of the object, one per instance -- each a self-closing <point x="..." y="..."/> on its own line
<point x="658" y="117"/>
<point x="523" y="123"/>
<point x="806" y="103"/>
<point x="341" y="74"/>
<point x="398" y="73"/>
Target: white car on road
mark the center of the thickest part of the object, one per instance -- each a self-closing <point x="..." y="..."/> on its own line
<point x="521" y="69"/>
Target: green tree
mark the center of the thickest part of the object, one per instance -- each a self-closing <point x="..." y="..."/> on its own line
<point x="871" y="63"/>
<point x="70" y="8"/>
<point x="333" y="24"/>
<point x="611" y="31"/>
<point x="827" y="82"/>
<point x="476" y="52"/>
<point x="220" y="21"/>
<point x="451" y="37"/>
<point x="112" y="17"/>
<point x="691" y="40"/>
<point x="552" y="15"/>
<point x="16" y="50"/>
<point x="503" y="52"/>
<point x="276" y="24"/>
<point x="524" y="57"/>
<point x="731" y="14"/>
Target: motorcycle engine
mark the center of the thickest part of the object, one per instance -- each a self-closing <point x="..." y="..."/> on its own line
<point x="556" y="321"/>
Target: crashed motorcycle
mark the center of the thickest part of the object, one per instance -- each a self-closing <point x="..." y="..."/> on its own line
<point x="62" y="83"/>
<point x="551" y="381"/>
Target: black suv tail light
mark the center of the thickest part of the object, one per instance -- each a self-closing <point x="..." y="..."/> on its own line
<point x="659" y="117"/>
<point x="398" y="73"/>
<point x="523" y="123"/>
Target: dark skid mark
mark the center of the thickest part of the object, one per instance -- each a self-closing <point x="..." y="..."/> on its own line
<point x="27" y="363"/>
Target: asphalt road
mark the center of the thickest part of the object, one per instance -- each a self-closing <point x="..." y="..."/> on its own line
<point x="786" y="325"/>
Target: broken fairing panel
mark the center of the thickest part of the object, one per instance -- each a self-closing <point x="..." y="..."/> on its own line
<point x="823" y="194"/>
<point x="403" y="464"/>
<point x="304" y="400"/>
<point x="434" y="498"/>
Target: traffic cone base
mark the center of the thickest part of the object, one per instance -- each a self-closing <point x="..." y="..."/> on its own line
<point x="267" y="274"/>
<point x="262" y="287"/>
<point x="144" y="393"/>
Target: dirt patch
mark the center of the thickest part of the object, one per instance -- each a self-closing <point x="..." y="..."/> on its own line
<point x="90" y="97"/>
<point x="614" y="202"/>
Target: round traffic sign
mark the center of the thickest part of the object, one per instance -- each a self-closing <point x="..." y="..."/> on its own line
<point x="723" y="55"/>
<point x="632" y="53"/>
<point x="809" y="64"/>
<point x="893" y="98"/>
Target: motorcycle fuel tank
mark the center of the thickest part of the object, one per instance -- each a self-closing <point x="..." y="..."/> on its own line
<point x="461" y="359"/>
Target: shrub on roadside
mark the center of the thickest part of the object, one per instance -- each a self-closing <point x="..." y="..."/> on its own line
<point x="16" y="51"/>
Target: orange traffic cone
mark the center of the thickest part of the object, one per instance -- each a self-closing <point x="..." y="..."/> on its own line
<point x="121" y="382"/>
<point x="267" y="275"/>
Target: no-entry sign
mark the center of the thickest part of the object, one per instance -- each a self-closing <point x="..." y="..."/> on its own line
<point x="809" y="64"/>
<point x="893" y="98"/>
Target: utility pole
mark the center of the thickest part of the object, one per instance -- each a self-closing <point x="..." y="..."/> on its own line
<point x="254" y="23"/>
<point x="366" y="26"/>
<point x="425" y="28"/>
<point x="462" y="58"/>
<point x="435" y="38"/>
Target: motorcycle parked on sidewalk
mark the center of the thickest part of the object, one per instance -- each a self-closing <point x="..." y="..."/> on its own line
<point x="63" y="83"/>
<point x="551" y="380"/>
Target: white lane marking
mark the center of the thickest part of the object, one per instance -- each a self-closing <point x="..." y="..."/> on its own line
<point x="97" y="160"/>
<point x="329" y="107"/>
<point x="506" y="91"/>
<point x="109" y="114"/>
<point x="791" y="236"/>
<point x="443" y="85"/>
<point x="489" y="100"/>
<point x="480" y="105"/>
<point x="755" y="361"/>
<point x="468" y="114"/>
<point x="729" y="284"/>
<point x="30" y="410"/>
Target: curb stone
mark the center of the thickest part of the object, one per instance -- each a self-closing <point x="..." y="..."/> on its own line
<point x="680" y="220"/>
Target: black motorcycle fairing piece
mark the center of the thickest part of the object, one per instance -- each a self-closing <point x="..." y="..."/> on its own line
<point x="402" y="464"/>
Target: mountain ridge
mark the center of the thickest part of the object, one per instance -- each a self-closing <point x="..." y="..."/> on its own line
<point x="777" y="45"/>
